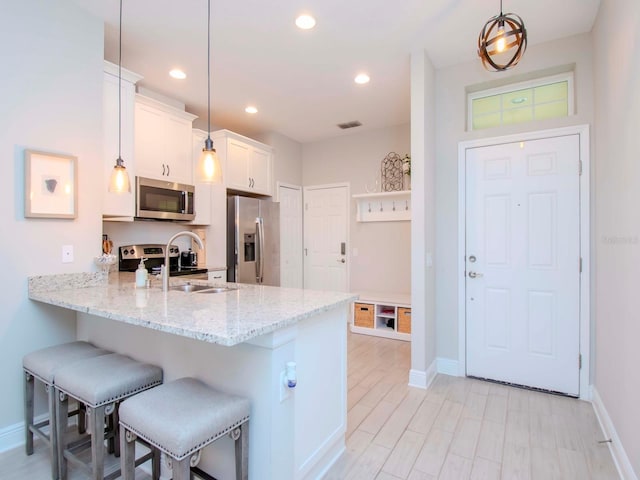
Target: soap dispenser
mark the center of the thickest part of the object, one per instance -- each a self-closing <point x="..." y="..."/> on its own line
<point x="141" y="274"/>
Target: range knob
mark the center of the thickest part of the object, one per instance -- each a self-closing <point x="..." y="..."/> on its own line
<point x="125" y="252"/>
<point x="132" y="251"/>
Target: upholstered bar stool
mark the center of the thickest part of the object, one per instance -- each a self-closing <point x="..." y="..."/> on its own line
<point x="180" y="418"/>
<point x="42" y="366"/>
<point x="101" y="383"/>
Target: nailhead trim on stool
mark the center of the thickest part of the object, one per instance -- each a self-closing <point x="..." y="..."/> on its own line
<point x="180" y="418"/>
<point x="101" y="383"/>
<point x="42" y="365"/>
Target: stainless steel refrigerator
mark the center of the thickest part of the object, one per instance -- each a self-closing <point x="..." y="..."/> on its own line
<point x="253" y="241"/>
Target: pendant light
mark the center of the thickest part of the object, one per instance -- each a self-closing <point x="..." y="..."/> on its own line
<point x="502" y="41"/>
<point x="119" y="182"/>
<point x="209" y="164"/>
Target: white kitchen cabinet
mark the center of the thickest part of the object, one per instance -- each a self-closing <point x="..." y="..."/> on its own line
<point x="118" y="206"/>
<point x="163" y="141"/>
<point x="247" y="165"/>
<point x="219" y="275"/>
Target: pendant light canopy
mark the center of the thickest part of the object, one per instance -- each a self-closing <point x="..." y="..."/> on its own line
<point x="209" y="164"/>
<point x="502" y="41"/>
<point x="119" y="181"/>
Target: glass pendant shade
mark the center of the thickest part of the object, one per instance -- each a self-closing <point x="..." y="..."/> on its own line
<point x="119" y="181"/>
<point x="502" y="42"/>
<point x="209" y="165"/>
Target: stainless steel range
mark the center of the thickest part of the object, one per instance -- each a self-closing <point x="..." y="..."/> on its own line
<point x="129" y="258"/>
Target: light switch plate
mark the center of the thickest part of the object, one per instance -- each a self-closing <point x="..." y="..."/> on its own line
<point x="67" y="253"/>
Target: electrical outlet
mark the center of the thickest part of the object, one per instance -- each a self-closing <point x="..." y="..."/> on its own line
<point x="67" y="253"/>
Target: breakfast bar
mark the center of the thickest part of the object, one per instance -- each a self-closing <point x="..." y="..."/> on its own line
<point x="238" y="339"/>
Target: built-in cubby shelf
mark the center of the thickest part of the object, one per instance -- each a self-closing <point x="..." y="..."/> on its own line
<point x="384" y="206"/>
<point x="383" y="315"/>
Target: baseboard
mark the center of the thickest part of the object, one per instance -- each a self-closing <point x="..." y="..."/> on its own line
<point x="449" y="367"/>
<point x="618" y="453"/>
<point x="422" y="379"/>
<point x="12" y="436"/>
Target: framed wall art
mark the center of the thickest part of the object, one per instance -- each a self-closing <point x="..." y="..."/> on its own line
<point x="51" y="185"/>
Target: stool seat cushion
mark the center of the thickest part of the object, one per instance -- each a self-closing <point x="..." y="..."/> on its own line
<point x="45" y="362"/>
<point x="107" y="378"/>
<point x="183" y="416"/>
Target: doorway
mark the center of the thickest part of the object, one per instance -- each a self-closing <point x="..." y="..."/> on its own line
<point x="326" y="232"/>
<point x="523" y="284"/>
<point x="291" y="269"/>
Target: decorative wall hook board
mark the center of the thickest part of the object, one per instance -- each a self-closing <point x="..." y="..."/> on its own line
<point x="392" y="172"/>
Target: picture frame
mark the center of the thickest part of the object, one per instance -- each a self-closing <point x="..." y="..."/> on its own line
<point x="51" y="185"/>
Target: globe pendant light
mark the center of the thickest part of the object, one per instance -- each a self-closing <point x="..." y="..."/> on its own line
<point x="119" y="181"/>
<point x="209" y="164"/>
<point x="502" y="41"/>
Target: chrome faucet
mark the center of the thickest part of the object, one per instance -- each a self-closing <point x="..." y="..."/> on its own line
<point x="164" y="270"/>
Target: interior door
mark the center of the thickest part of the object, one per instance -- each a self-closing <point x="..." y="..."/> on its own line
<point x="326" y="219"/>
<point x="523" y="263"/>
<point x="290" y="198"/>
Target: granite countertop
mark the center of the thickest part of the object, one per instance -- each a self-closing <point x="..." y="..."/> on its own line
<point x="226" y="318"/>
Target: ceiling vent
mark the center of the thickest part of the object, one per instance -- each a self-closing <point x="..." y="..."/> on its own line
<point x="346" y="125"/>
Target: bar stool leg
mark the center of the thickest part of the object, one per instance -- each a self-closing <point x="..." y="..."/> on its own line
<point x="53" y="427"/>
<point x="128" y="454"/>
<point x="181" y="469"/>
<point x="82" y="418"/>
<point x="28" y="411"/>
<point x="96" y="421"/>
<point x="242" y="453"/>
<point x="155" y="463"/>
<point x="61" y="410"/>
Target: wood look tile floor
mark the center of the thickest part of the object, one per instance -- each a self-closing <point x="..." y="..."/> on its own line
<point x="459" y="428"/>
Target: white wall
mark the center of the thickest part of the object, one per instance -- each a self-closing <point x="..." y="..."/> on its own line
<point x="287" y="167"/>
<point x="423" y="173"/>
<point x="616" y="41"/>
<point x="451" y="85"/>
<point x="383" y="263"/>
<point x="51" y="100"/>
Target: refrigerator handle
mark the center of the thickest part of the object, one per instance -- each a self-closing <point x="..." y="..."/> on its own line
<point x="259" y="250"/>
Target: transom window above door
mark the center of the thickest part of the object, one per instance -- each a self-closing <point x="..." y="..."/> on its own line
<point x="540" y="99"/>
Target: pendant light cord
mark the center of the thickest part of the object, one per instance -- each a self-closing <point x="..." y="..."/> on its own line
<point x="120" y="89"/>
<point x="208" y="70"/>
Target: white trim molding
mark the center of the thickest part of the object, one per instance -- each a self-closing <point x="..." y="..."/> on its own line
<point x="620" y="458"/>
<point x="422" y="379"/>
<point x="450" y="367"/>
<point x="585" y="236"/>
<point x="13" y="436"/>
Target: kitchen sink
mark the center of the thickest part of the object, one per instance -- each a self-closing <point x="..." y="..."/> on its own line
<point x="217" y="290"/>
<point x="189" y="288"/>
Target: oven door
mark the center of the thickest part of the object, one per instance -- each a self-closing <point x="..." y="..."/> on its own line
<point x="163" y="200"/>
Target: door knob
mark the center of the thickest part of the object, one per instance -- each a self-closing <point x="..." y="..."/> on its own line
<point x="475" y="275"/>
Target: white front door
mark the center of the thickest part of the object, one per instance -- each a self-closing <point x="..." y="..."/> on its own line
<point x="290" y="198"/>
<point x="523" y="263"/>
<point x="326" y="220"/>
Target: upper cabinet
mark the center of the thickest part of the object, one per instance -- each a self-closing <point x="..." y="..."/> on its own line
<point x="163" y="141"/>
<point x="247" y="164"/>
<point x="118" y="206"/>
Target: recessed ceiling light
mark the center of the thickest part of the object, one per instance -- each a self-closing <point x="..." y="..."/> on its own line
<point x="362" y="78"/>
<point x="251" y="109"/>
<point x="177" y="73"/>
<point x="305" y="22"/>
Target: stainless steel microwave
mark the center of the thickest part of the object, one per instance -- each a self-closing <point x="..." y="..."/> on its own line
<point x="163" y="200"/>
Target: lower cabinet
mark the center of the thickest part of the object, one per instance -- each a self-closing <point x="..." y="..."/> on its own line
<point x="383" y="316"/>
